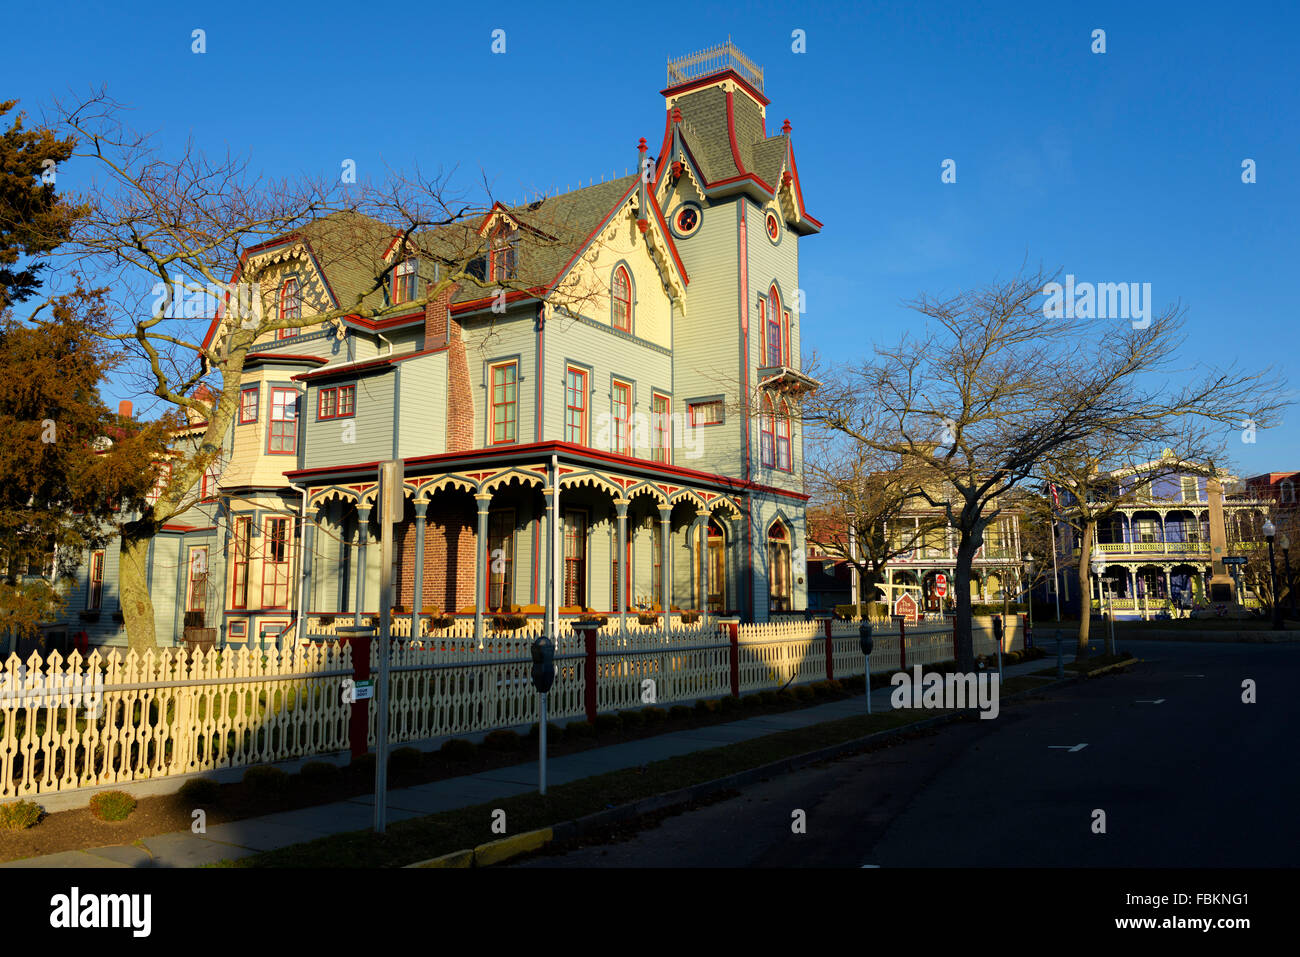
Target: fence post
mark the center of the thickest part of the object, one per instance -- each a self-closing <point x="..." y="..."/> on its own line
<point x="732" y="625"/>
<point x="902" y="643"/>
<point x="954" y="637"/>
<point x="830" y="652"/>
<point x="358" y="638"/>
<point x="1027" y="636"/>
<point x="591" y="667"/>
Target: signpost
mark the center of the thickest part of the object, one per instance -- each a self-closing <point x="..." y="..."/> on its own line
<point x="907" y="608"/>
<point x="392" y="502"/>
<point x="941" y="585"/>
<point x="1235" y="560"/>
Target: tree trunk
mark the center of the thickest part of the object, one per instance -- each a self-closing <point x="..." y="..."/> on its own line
<point x="133" y="586"/>
<point x="1085" y="588"/>
<point x="962" y="625"/>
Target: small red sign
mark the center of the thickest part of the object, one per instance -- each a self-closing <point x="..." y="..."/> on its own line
<point x="941" y="585"/>
<point x="906" y="608"/>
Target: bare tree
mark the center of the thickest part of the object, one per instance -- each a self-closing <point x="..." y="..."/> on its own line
<point x="989" y="390"/>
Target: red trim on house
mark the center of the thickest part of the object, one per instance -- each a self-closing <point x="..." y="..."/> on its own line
<point x="283" y="357"/>
<point x="731" y="134"/>
<point x="736" y="179"/>
<point x="368" y="366"/>
<point x="712" y="79"/>
<point x="560" y="448"/>
<point x="472" y="305"/>
<point x="799" y="190"/>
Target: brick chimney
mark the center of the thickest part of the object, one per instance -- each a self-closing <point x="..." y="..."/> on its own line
<point x="441" y="328"/>
<point x="124" y="408"/>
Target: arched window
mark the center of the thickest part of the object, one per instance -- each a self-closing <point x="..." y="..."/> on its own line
<point x="290" y="305"/>
<point x="767" y="428"/>
<point x="778" y="568"/>
<point x="620" y="291"/>
<point x="404" y="279"/>
<point x="1288" y="491"/>
<point x="504" y="253"/>
<point x="783" y="437"/>
<point x="774" y="335"/>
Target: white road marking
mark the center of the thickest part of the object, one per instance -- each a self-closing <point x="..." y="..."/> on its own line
<point x="1193" y="676"/>
<point x="876" y="866"/>
<point x="1066" y="747"/>
<point x="1149" y="701"/>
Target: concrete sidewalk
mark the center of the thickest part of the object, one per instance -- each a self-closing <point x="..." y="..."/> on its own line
<point x="251" y="835"/>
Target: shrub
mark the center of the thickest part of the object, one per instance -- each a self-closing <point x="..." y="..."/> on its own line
<point x="199" y="792"/>
<point x="804" y="693"/>
<point x="112" y="805"/>
<point x="632" y="720"/>
<point x="655" y="715"/>
<point x="508" y="622"/>
<point x="404" y="760"/>
<point x="554" y="733"/>
<point x="600" y="620"/>
<point x="363" y="766"/>
<point x="647" y="619"/>
<point x="457" y="750"/>
<point x="318" y="773"/>
<point x="580" y="729"/>
<point x="608" y="724"/>
<point x="690" y="617"/>
<point x="679" y="712"/>
<point x="263" y="779"/>
<point x="729" y="704"/>
<point x="751" y="702"/>
<point x="706" y="707"/>
<point x="502" y="740"/>
<point x="20" y="815"/>
<point x="769" y="698"/>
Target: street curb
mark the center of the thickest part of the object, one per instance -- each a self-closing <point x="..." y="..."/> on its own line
<point x="493" y="852"/>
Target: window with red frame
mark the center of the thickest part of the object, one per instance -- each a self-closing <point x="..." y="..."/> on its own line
<point x="621" y="293"/>
<point x="248" y="405"/>
<point x="275" y="564"/>
<point x="575" y="406"/>
<point x="505" y="402"/>
<point x="290" y="306"/>
<point x="239" y="564"/>
<point x="660" y="427"/>
<point x="705" y="413"/>
<point x="282" y="437"/>
<point x="404" y="280"/>
<point x="575" y="559"/>
<point x="95" y="595"/>
<point x="622" y="418"/>
<point x="208" y="489"/>
<point x="504" y="253"/>
<point x="337" y="402"/>
<point x="501" y="558"/>
<point x="767" y="428"/>
<point x="783" y="438"/>
<point x="774" y="336"/>
<point x="160" y="483"/>
<point x="197" y="600"/>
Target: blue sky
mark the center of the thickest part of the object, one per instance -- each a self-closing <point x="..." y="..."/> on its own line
<point x="1122" y="166"/>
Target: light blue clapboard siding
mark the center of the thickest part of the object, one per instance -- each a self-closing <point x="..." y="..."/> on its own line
<point x="499" y="338"/>
<point x="365" y="437"/>
<point x="422" y="406"/>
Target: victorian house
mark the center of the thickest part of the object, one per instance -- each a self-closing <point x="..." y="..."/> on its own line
<point x="599" y="419"/>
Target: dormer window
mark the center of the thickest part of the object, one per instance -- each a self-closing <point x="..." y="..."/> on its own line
<point x="404" y="280"/>
<point x="290" y="306"/>
<point x="620" y="292"/>
<point x="504" y="253"/>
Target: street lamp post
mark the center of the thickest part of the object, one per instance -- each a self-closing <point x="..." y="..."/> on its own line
<point x="1284" y="542"/>
<point x="1098" y="563"/>
<point x="1270" y="531"/>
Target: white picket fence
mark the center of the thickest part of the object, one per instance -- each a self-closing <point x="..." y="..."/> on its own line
<point x="110" y="719"/>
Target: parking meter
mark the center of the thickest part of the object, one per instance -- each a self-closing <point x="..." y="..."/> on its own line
<point x="864" y="637"/>
<point x="543" y="664"/>
<point x="997" y="629"/>
<point x="864" y="640"/>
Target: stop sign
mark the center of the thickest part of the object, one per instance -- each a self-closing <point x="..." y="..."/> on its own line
<point x="941" y="585"/>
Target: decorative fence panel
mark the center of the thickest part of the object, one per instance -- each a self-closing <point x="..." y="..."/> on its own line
<point x="109" y="719"/>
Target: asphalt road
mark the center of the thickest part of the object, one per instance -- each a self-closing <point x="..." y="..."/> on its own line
<point x="1199" y="779"/>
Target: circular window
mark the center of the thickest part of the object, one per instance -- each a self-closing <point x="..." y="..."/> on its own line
<point x="686" y="220"/>
<point x="773" y="227"/>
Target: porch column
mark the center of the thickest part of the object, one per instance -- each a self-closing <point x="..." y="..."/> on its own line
<point x="698" y="545"/>
<point x="665" y="561"/>
<point x="305" y="581"/>
<point x="1132" y="583"/>
<point x="621" y="505"/>
<point x="551" y="620"/>
<point x="417" y="588"/>
<point x="363" y="536"/>
<point x="480" y="565"/>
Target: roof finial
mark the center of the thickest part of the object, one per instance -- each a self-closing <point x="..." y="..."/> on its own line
<point x="786" y="127"/>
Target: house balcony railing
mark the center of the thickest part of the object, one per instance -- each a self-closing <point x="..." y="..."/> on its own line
<point x="1152" y="548"/>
